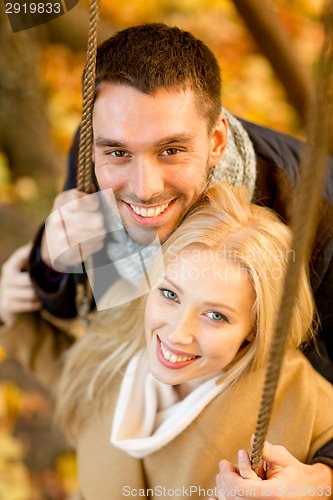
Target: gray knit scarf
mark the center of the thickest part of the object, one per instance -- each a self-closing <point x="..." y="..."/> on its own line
<point x="238" y="165"/>
<point x="237" y="168"/>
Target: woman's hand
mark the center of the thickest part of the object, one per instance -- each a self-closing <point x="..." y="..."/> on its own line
<point x="17" y="294"/>
<point x="285" y="477"/>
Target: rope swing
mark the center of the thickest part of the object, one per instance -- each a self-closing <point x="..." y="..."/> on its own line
<point x="304" y="217"/>
<point x="84" y="169"/>
<point x="303" y="224"/>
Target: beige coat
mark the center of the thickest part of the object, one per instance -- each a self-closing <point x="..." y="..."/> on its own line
<point x="302" y="420"/>
<point x="37" y="341"/>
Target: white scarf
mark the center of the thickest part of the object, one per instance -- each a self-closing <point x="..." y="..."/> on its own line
<point x="150" y="414"/>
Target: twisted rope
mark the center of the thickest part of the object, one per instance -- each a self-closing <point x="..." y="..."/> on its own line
<point x="303" y="224"/>
<point x="84" y="170"/>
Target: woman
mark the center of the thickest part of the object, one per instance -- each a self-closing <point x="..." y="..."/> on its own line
<point x="165" y="387"/>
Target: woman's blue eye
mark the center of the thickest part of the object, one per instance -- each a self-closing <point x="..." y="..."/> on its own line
<point x="168" y="294"/>
<point x="217" y="316"/>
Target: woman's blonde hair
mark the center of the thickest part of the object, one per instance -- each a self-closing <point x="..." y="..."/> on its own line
<point x="223" y="221"/>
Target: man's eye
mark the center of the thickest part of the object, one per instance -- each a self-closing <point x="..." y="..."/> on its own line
<point x="168" y="294"/>
<point x="170" y="152"/>
<point x="216" y="316"/>
<point x="118" y="153"/>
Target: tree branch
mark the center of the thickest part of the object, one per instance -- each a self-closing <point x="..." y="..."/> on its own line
<point x="274" y="43"/>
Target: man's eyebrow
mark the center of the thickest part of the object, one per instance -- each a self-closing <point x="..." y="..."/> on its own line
<point x="103" y="142"/>
<point x="174" y="139"/>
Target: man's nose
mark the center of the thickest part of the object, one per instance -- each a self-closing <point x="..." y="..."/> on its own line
<point x="146" y="180"/>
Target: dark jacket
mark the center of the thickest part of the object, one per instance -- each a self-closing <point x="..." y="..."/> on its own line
<point x="278" y="157"/>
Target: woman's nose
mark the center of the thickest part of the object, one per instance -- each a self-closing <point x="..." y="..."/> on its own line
<point x="183" y="331"/>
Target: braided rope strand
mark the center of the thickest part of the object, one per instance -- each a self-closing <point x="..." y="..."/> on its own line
<point x="84" y="169"/>
<point x="84" y="172"/>
<point x="303" y="224"/>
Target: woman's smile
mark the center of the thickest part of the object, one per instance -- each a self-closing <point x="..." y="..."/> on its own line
<point x="173" y="358"/>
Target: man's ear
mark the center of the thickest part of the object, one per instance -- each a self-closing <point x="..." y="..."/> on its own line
<point x="218" y="139"/>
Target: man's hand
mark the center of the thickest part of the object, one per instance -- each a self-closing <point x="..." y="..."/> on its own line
<point x="75" y="219"/>
<point x="286" y="477"/>
<point x="17" y="294"/>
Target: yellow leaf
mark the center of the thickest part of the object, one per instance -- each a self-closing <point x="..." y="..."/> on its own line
<point x="3" y="354"/>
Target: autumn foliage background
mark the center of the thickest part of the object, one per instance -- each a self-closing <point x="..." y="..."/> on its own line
<point x="40" y="106"/>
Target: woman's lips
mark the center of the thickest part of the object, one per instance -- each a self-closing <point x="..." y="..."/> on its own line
<point x="172" y="358"/>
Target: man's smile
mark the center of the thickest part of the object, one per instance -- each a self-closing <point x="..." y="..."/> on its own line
<point x="151" y="216"/>
<point x="149" y="211"/>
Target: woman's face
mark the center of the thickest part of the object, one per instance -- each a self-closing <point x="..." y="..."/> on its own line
<point x="198" y="317"/>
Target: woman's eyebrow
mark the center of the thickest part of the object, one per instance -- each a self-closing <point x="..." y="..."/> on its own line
<point x="212" y="304"/>
<point x="220" y="305"/>
<point x="174" y="285"/>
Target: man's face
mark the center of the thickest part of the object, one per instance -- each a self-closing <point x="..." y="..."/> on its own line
<point x="155" y="152"/>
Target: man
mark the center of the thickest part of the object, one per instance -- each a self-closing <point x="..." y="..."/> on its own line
<point x="160" y="138"/>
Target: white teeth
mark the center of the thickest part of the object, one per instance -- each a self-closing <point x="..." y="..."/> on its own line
<point x="149" y="212"/>
<point x="169" y="356"/>
<point x="166" y="354"/>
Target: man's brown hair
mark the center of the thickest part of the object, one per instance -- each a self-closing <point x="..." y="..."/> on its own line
<point x="151" y="56"/>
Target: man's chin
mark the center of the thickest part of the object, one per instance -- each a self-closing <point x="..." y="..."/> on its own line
<point x="147" y="235"/>
<point x="144" y="236"/>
